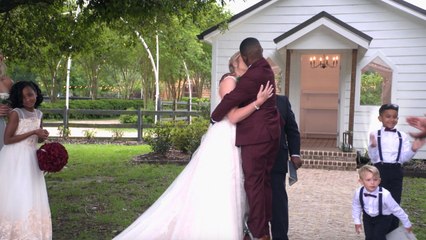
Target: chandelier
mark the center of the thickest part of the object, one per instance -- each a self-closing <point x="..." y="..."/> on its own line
<point x="324" y="62"/>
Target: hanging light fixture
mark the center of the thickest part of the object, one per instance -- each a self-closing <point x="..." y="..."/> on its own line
<point x="324" y="62"/>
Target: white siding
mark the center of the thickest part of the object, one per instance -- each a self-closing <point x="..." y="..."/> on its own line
<point x="399" y="37"/>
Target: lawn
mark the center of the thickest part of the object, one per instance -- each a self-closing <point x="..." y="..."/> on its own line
<point x="101" y="191"/>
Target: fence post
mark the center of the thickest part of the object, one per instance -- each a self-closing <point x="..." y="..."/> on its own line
<point x="140" y="130"/>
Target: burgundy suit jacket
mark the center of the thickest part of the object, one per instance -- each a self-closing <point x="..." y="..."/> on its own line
<point x="264" y="124"/>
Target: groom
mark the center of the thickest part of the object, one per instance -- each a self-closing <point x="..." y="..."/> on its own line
<point x="257" y="135"/>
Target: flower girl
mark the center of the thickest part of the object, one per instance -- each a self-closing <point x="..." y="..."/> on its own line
<point x="24" y="208"/>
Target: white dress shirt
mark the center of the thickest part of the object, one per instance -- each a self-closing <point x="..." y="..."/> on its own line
<point x="371" y="206"/>
<point x="390" y="145"/>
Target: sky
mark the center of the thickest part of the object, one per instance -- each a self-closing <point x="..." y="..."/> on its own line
<point x="236" y="6"/>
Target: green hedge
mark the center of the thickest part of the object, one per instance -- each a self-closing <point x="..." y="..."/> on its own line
<point x="177" y="134"/>
<point x="101" y="104"/>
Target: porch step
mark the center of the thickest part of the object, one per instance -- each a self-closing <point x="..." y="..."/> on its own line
<point x="329" y="159"/>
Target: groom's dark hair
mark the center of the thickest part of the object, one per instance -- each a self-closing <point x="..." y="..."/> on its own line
<point x="250" y="47"/>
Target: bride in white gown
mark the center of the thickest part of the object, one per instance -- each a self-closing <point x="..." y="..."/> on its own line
<point x="207" y="200"/>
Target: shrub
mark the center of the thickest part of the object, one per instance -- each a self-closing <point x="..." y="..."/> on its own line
<point x="187" y="138"/>
<point x="129" y="118"/>
<point x="117" y="134"/>
<point x="89" y="134"/>
<point x="64" y="132"/>
<point x="159" y="138"/>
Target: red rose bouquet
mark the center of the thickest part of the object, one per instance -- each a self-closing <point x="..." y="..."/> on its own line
<point x="52" y="157"/>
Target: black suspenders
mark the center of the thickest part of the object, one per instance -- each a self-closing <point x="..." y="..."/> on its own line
<point x="361" y="200"/>
<point x="379" y="145"/>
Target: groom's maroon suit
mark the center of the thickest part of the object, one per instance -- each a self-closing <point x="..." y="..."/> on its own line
<point x="258" y="136"/>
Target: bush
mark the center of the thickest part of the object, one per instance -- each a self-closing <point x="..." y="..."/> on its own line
<point x="100" y="104"/>
<point x="64" y="132"/>
<point x="117" y="134"/>
<point x="129" y="118"/>
<point x="187" y="138"/>
<point x="133" y="118"/>
<point x="159" y="138"/>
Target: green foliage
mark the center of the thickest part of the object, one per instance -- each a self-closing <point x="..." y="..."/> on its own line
<point x="89" y="134"/>
<point x="413" y="202"/>
<point x="128" y="118"/>
<point x="159" y="138"/>
<point x="371" y="88"/>
<point x="64" y="132"/>
<point x="100" y="192"/>
<point x="117" y="134"/>
<point x="100" y="104"/>
<point x="187" y="138"/>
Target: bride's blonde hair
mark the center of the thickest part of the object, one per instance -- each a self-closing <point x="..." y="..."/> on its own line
<point x="232" y="61"/>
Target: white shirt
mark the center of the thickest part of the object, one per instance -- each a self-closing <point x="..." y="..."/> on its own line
<point x="371" y="206"/>
<point x="390" y="145"/>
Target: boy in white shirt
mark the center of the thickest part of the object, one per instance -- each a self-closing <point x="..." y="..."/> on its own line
<point x="389" y="149"/>
<point x="377" y="205"/>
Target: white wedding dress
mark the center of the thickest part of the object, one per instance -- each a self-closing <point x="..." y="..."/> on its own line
<point x="206" y="201"/>
<point x="24" y="206"/>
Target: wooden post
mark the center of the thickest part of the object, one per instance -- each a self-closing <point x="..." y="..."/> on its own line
<point x="287" y="73"/>
<point x="352" y="96"/>
<point x="140" y="126"/>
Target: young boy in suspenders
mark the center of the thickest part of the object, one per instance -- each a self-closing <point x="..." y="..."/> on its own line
<point x="388" y="150"/>
<point x="377" y="205"/>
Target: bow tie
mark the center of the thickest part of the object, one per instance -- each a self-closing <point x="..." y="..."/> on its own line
<point x="369" y="195"/>
<point x="390" y="130"/>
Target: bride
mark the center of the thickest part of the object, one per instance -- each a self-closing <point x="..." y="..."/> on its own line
<point x="207" y="199"/>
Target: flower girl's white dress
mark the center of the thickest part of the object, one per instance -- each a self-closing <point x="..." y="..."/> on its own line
<point x="206" y="201"/>
<point x="24" y="206"/>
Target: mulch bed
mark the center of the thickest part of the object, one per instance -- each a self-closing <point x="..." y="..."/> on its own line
<point x="172" y="156"/>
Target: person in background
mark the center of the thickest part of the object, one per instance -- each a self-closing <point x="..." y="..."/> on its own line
<point x="289" y="145"/>
<point x="24" y="208"/>
<point x="388" y="150"/>
<point x="376" y="205"/>
<point x="420" y="124"/>
<point x="5" y="85"/>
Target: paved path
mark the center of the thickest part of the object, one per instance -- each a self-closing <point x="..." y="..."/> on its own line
<point x="320" y="205"/>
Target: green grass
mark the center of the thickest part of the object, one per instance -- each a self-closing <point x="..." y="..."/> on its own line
<point x="101" y="192"/>
<point x="414" y="204"/>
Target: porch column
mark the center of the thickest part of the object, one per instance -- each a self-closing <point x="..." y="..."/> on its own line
<point x="352" y="96"/>
<point x="287" y="73"/>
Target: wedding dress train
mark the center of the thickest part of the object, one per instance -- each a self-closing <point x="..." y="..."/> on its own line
<point x="206" y="201"/>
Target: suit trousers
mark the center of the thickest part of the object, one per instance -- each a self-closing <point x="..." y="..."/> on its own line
<point x="279" y="222"/>
<point x="376" y="228"/>
<point x="257" y="162"/>
<point x="392" y="177"/>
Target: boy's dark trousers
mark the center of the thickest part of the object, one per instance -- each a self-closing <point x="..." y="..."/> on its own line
<point x="392" y="175"/>
<point x="376" y="228"/>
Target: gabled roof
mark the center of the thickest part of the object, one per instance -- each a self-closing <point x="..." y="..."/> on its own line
<point x="202" y="35"/>
<point x="234" y="17"/>
<point x="296" y="31"/>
